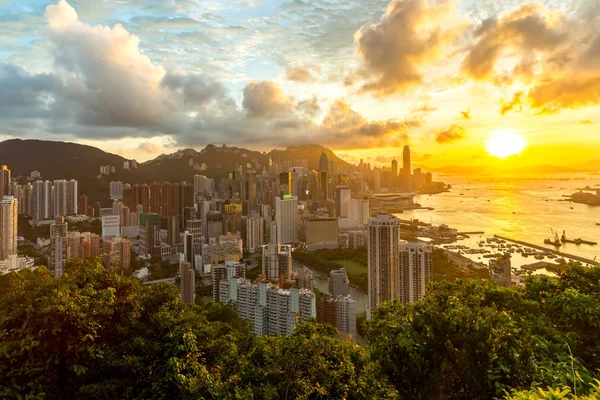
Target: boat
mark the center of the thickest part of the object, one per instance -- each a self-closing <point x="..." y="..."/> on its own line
<point x="539" y="256"/>
<point x="598" y="223"/>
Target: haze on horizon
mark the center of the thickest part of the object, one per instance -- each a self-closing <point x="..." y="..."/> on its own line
<point x="362" y="77"/>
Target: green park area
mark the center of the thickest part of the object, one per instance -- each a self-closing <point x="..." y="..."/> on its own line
<point x="351" y="266"/>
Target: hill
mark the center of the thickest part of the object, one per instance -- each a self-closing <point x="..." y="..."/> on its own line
<point x="310" y="152"/>
<point x="64" y="160"/>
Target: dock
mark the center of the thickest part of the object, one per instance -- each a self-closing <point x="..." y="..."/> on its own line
<point x="471" y="233"/>
<point x="550" y="250"/>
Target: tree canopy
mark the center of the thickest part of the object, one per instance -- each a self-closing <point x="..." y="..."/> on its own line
<point x="94" y="334"/>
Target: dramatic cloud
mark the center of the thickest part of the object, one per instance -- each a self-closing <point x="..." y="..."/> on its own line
<point x="195" y="89"/>
<point x="409" y="35"/>
<point x="569" y="92"/>
<point x="452" y="134"/>
<point x="298" y="74"/>
<point x="524" y="31"/>
<point x="344" y="126"/>
<point x="149" y="147"/>
<point x="265" y="99"/>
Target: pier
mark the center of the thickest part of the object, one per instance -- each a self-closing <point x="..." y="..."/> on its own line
<point x="470" y="233"/>
<point x="549" y="250"/>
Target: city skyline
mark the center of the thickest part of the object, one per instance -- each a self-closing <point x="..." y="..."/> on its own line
<point x="145" y="79"/>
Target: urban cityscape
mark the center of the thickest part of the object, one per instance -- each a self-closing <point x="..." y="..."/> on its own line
<point x="164" y="236"/>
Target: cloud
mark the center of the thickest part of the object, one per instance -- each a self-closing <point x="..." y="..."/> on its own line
<point x="342" y="126"/>
<point x="298" y="74"/>
<point x="452" y="134"/>
<point x="586" y="122"/>
<point x="524" y="31"/>
<point x="466" y="114"/>
<point x="572" y="92"/>
<point x="410" y="35"/>
<point x="265" y="99"/>
<point x="194" y="89"/>
<point x="515" y="103"/>
<point x="149" y="147"/>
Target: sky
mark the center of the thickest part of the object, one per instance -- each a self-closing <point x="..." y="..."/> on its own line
<point x="362" y="77"/>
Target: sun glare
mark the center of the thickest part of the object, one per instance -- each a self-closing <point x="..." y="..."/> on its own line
<point x="505" y="143"/>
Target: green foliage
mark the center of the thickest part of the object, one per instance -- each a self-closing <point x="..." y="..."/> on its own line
<point x="475" y="340"/>
<point x="324" y="260"/>
<point x="555" y="394"/>
<point x="95" y="334"/>
<point x="93" y="225"/>
<point x="445" y="269"/>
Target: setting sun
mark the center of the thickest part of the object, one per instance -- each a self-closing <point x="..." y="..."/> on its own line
<point x="505" y="143"/>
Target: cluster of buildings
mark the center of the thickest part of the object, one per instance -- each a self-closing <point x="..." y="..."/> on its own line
<point x="207" y="227"/>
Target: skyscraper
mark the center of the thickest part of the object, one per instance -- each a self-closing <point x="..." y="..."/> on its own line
<point x="383" y="238"/>
<point x="394" y="168"/>
<point x="8" y="227"/>
<point x="4" y="181"/>
<point x="342" y="197"/>
<point x="41" y="201"/>
<point x="59" y="246"/>
<point x="414" y="269"/>
<point x="286" y="219"/>
<point x="406" y="169"/>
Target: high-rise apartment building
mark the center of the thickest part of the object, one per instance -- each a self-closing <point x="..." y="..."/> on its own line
<point x="65" y="198"/>
<point x="286" y="219"/>
<point x="406" y="169"/>
<point x="83" y="245"/>
<point x="225" y="271"/>
<point x="383" y="240"/>
<point x="187" y="282"/>
<point x="272" y="311"/>
<point x="41" y="201"/>
<point x="8" y="227"/>
<point x="117" y="250"/>
<point x="59" y="246"/>
<point x="339" y="312"/>
<point x="253" y="233"/>
<point x="115" y="190"/>
<point x="414" y="269"/>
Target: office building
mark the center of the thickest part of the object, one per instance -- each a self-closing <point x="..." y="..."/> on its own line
<point x="111" y="226"/>
<point x="59" y="246"/>
<point x="358" y="213"/>
<point x="188" y="282"/>
<point x="149" y="238"/>
<point x="173" y="231"/>
<point x="339" y="285"/>
<point x="8" y="226"/>
<point x="4" y="181"/>
<point x="220" y="272"/>
<point x="286" y="219"/>
<point x="414" y="270"/>
<point x="117" y="251"/>
<point x="383" y="238"/>
<point x="272" y="311"/>
<point x="394" y="168"/>
<point x="342" y="198"/>
<point x="321" y="233"/>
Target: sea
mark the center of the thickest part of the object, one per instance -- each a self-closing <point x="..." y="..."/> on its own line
<point x="526" y="209"/>
<point x="522" y="209"/>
